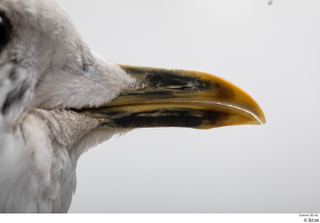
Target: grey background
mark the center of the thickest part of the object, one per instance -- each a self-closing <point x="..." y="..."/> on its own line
<point x="272" y="52"/>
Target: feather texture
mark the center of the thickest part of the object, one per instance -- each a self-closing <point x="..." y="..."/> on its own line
<point x="45" y="69"/>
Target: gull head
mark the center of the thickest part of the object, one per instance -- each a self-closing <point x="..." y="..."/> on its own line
<point x="52" y="68"/>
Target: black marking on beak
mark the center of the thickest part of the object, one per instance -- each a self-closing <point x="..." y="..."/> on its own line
<point x="191" y="118"/>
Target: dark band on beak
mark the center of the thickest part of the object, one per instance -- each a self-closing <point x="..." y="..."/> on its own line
<point x="192" y="118"/>
<point x="168" y="83"/>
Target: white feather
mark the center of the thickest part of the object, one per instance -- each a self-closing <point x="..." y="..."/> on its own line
<point x="45" y="68"/>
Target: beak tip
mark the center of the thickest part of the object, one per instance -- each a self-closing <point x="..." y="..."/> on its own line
<point x="261" y="118"/>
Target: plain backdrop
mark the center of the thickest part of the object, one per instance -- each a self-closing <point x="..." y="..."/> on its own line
<point x="272" y="52"/>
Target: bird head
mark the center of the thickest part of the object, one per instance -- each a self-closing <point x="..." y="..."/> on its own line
<point x="50" y="67"/>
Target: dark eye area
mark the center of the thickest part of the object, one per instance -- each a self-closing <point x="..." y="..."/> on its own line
<point x="4" y="31"/>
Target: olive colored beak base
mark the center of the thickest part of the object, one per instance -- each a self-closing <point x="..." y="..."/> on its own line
<point x="178" y="98"/>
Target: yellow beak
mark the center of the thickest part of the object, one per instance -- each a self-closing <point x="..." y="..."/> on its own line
<point x="178" y="98"/>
